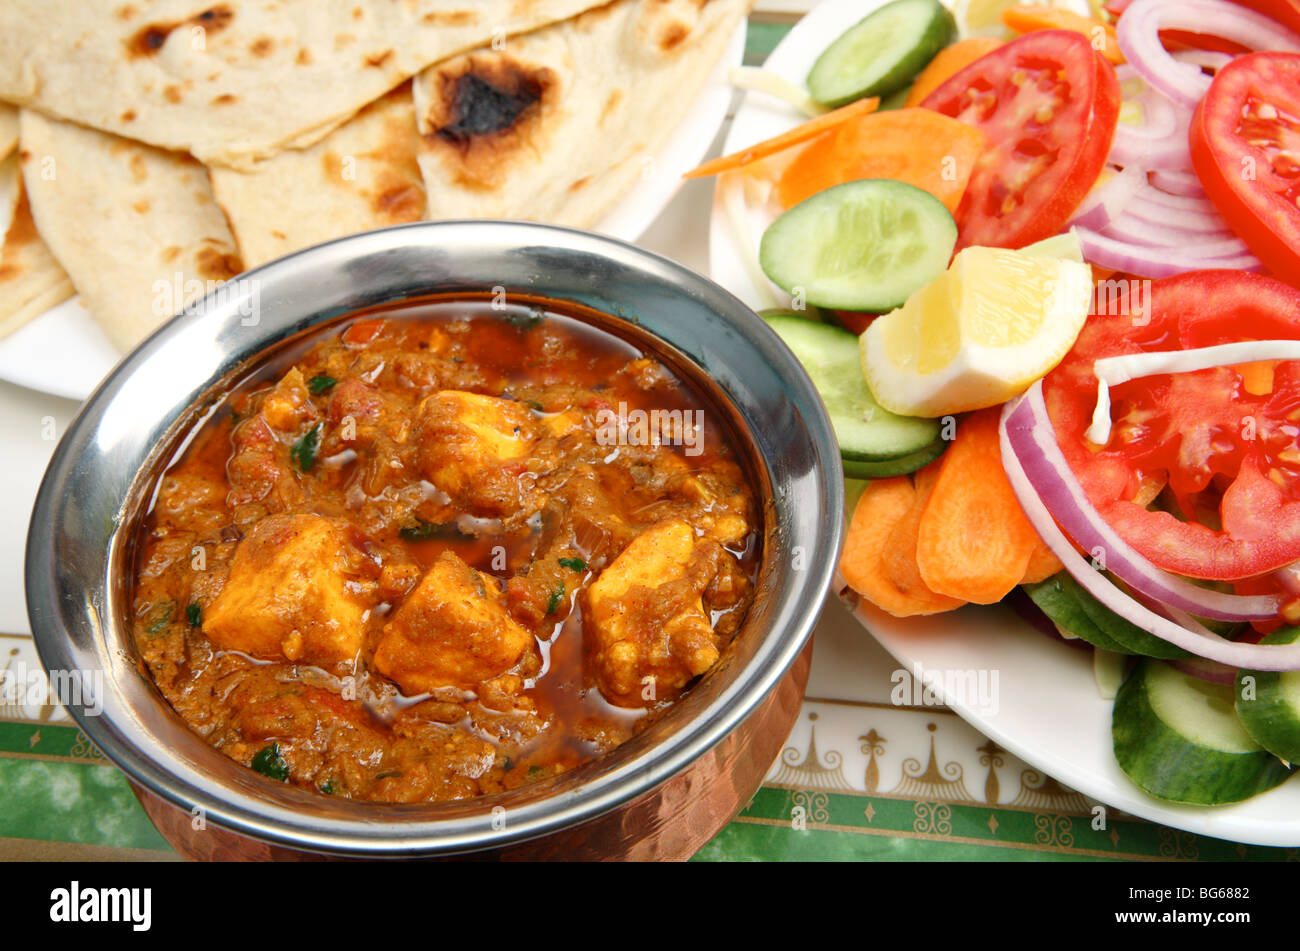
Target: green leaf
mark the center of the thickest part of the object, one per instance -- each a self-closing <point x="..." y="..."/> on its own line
<point x="527" y="321"/>
<point x="423" y="531"/>
<point x="194" y="614"/>
<point x="319" y="384"/>
<point x="164" y="618"/>
<point x="576" y="564"/>
<point x="303" y="452"/>
<point x="554" y="601"/>
<point x="328" y="787"/>
<point x="270" y="763"/>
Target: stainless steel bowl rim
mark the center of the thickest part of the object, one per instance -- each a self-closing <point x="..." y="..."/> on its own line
<point x="84" y="497"/>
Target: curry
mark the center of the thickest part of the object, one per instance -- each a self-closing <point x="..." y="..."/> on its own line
<point x="443" y="550"/>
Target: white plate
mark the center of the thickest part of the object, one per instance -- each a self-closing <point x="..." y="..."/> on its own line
<point x="64" y="352"/>
<point x="1049" y="712"/>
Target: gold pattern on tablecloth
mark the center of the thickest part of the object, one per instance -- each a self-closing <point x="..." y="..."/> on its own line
<point x="932" y="783"/>
<point x="1176" y="844"/>
<point x="84" y="749"/>
<point x="815" y="804"/>
<point x="1053" y="830"/>
<point x="1038" y="791"/>
<point x="873" y="744"/>
<point x="991" y="756"/>
<point x="811" y="770"/>
<point x="12" y="710"/>
<point x="932" y="818"/>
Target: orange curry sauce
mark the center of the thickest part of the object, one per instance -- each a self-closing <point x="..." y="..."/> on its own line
<point x="414" y="558"/>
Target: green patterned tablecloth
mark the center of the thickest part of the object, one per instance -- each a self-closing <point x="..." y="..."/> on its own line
<point x="857" y="781"/>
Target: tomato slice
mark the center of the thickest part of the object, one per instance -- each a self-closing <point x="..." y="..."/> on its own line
<point x="1286" y="12"/>
<point x="1230" y="457"/>
<point x="1245" y="140"/>
<point x="1048" y="103"/>
<point x="854" y="321"/>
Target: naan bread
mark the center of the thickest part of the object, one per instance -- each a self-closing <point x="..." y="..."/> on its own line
<point x="135" y="227"/>
<point x="561" y="122"/>
<point x="361" y="176"/>
<point x="237" y="80"/>
<point x="8" y="129"/>
<point x="31" y="281"/>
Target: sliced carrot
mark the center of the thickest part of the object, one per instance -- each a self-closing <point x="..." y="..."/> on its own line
<point x="881" y="506"/>
<point x="899" y="558"/>
<point x="949" y="61"/>
<point x="796" y="136"/>
<point x="916" y="146"/>
<point x="1257" y="378"/>
<point x="1043" y="563"/>
<point x="1030" y="18"/>
<point x="974" y="541"/>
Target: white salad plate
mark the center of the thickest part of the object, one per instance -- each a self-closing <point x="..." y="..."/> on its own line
<point x="1047" y="708"/>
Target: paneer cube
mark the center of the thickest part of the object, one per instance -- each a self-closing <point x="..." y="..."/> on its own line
<point x="563" y="423"/>
<point x="288" y="595"/>
<point x="453" y="630"/>
<point x="288" y="406"/>
<point x="472" y="447"/>
<point x="651" y="633"/>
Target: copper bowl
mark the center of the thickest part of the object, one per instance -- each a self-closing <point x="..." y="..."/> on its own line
<point x="663" y="792"/>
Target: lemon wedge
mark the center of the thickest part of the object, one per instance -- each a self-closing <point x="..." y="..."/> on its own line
<point x="981" y="332"/>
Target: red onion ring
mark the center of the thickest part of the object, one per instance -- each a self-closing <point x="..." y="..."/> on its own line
<point x="1154" y="196"/>
<point x="1198" y="223"/>
<point x="1205" y="59"/>
<point x="1032" y="437"/>
<point x="1106" y="202"/>
<point x="1184" y="183"/>
<point x="1289" y="578"/>
<point x="1154" y="262"/>
<point x="1138" y="32"/>
<point x="1019" y="421"/>
<point x="1191" y="244"/>
<point x="1211" y="671"/>
<point x="1160" y="139"/>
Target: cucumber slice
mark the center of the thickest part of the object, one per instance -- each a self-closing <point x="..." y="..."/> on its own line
<point x="1058" y="598"/>
<point x="881" y="53"/>
<point x="1178" y="738"/>
<point x="1133" y="639"/>
<point x="815" y="314"/>
<point x="864" y="245"/>
<point x="1108" y="671"/>
<point x="1272" y="716"/>
<point x="895" y="466"/>
<point x="866" y="431"/>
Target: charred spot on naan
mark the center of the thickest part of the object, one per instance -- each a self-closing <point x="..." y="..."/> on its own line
<point x="387" y="175"/>
<point x="215" y="264"/>
<point x="482" y="111"/>
<point x="148" y="40"/>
